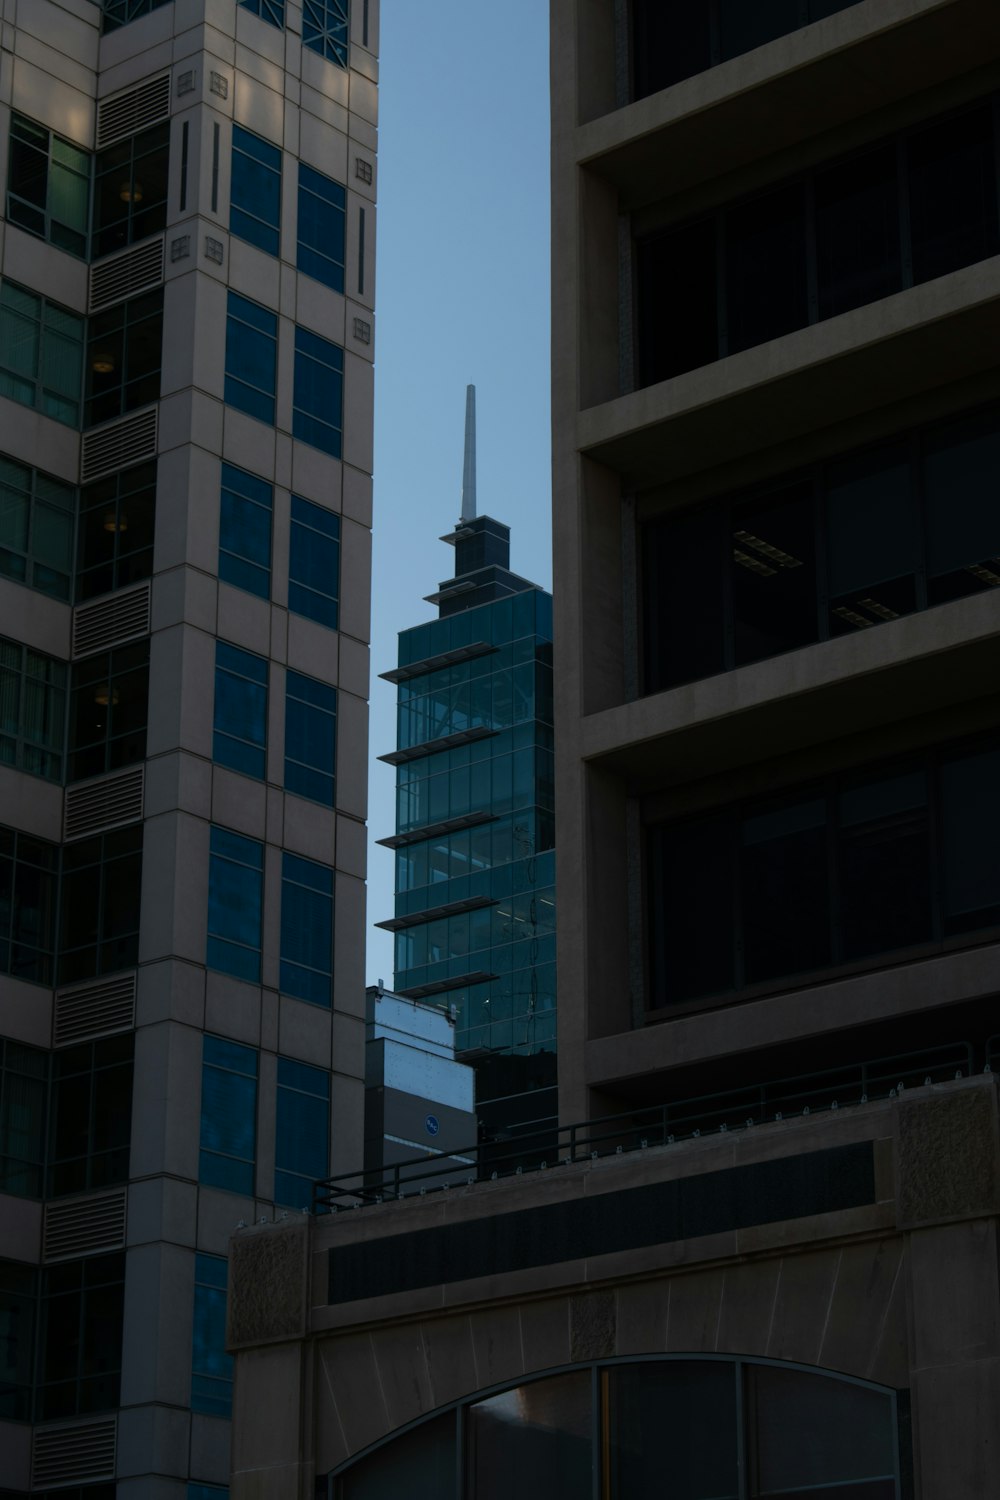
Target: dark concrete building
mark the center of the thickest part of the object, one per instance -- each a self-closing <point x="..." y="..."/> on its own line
<point x="776" y="424"/>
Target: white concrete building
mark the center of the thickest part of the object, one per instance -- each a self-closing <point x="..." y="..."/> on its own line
<point x="187" y="194"/>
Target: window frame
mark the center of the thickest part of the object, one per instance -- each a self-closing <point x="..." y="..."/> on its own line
<point x="265" y="163"/>
<point x="300" y="773"/>
<point x="326" y="29"/>
<point x="241" y="746"/>
<point x="312" y="259"/>
<point x="229" y="849"/>
<point x="718" y="518"/>
<point x="211" y="1391"/>
<point x="306" y="886"/>
<point x="25" y="746"/>
<point x="291" y="1117"/>
<point x="50" y="223"/>
<point x="62" y="405"/>
<point x="309" y="521"/>
<point x="261" y="402"/>
<point x="731" y="817"/>
<point x="313" y="423"/>
<point x="229" y="1059"/>
<point x="235" y="567"/>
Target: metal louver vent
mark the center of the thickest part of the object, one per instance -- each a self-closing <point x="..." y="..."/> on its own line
<point x="111" y="621"/>
<point x="107" y="803"/>
<point x="133" y="109"/>
<point x="118" y="444"/>
<point x="84" y="1226"/>
<point x="69" y="1454"/>
<point x="93" y="1010"/>
<point x="126" y="274"/>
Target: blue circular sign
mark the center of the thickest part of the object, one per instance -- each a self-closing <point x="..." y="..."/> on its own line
<point x="432" y="1125"/>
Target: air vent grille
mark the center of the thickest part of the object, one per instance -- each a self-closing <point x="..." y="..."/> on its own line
<point x="126" y="274"/>
<point x="68" y="1454"/>
<point x="111" y="621"/>
<point x="133" y="109"/>
<point x="107" y="803"/>
<point x="84" y="1226"/>
<point x="94" y="1010"/>
<point x="118" y="444"/>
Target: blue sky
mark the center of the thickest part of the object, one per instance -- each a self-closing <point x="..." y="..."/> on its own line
<point x="462" y="295"/>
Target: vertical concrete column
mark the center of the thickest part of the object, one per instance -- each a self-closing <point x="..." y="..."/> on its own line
<point x="948" y="1197"/>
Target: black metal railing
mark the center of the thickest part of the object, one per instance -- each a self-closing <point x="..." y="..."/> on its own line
<point x="655" y="1125"/>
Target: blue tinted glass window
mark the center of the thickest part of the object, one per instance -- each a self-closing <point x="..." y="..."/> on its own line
<point x="255" y="191"/>
<point x="306" y="929"/>
<point x="118" y="12"/>
<point x="240" y="737"/>
<point x="324" y="29"/>
<point x="208" y="1491"/>
<point x="314" y="563"/>
<point x="322" y="217"/>
<point x="274" y="12"/>
<point x="211" y="1366"/>
<point x="302" y="1132"/>
<point x="235" y="887"/>
<point x="228" y="1115"/>
<point x="318" y="399"/>
<point x="310" y="738"/>
<point x="245" y="532"/>
<point x="251" y="357"/>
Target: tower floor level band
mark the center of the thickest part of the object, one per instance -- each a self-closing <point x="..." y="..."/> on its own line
<point x="187" y="233"/>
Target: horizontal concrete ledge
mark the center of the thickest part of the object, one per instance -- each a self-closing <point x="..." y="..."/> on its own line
<point x="898" y="348"/>
<point x="908" y="667"/>
<point x="797" y="87"/>
<point x="793" y="1015"/>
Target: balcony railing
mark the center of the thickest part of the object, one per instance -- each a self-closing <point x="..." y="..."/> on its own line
<point x="534" y="1150"/>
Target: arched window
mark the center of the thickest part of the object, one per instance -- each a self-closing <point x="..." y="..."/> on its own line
<point x="684" y="1429"/>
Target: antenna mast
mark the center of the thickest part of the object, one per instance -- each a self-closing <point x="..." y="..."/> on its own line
<point x="469" y="467"/>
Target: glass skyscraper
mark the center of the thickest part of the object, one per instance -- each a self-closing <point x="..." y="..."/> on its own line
<point x="475" y="901"/>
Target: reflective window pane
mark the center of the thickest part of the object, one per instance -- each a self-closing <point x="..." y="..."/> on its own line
<point x="419" y="1464"/>
<point x="872" y="538"/>
<point x="952" y="193"/>
<point x="883" y="863"/>
<point x="683" y="608"/>
<point x="810" y="1434"/>
<point x="961" y="475"/>
<point x="970" y="821"/>
<point x="774" y="574"/>
<point x="690" y="1406"/>
<point x="533" y="1442"/>
<point x="766" y="267"/>
<point x="785" y="884"/>
<point x="857" y="232"/>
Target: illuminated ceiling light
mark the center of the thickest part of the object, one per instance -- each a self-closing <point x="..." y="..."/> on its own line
<point x="105" y="693"/>
<point x="113" y="522"/>
<point x="130" y="192"/>
<point x="881" y="610"/>
<point x="772" y="553"/>
<point x="852" y="617"/>
<point x="753" y="563"/>
<point x="102" y="362"/>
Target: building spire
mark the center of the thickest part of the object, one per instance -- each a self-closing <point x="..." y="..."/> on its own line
<point x="469" y="467"/>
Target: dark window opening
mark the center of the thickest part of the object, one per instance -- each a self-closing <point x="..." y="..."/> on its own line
<point x="130" y="190"/>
